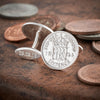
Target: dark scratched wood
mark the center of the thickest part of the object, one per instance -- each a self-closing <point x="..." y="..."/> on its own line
<point x="32" y="80"/>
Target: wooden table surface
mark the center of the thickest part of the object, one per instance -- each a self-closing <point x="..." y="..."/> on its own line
<point x="32" y="80"/>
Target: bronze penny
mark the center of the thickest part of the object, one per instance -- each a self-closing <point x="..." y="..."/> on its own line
<point x="30" y="30"/>
<point x="88" y="26"/>
<point x="61" y="27"/>
<point x="47" y="20"/>
<point x="14" y="33"/>
<point x="57" y="20"/>
<point x="90" y="74"/>
<point x="96" y="46"/>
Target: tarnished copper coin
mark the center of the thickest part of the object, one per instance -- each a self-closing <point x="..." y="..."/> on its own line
<point x="90" y="74"/>
<point x="30" y="30"/>
<point x="48" y="21"/>
<point x="57" y="20"/>
<point x="61" y="27"/>
<point x="14" y="33"/>
<point x="88" y="26"/>
<point x="96" y="46"/>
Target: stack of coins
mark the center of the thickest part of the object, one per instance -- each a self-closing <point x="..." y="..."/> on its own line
<point x="87" y="30"/>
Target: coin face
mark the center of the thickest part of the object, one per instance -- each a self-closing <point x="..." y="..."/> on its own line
<point x="80" y="27"/>
<point x="59" y="50"/>
<point x="89" y="37"/>
<point x="18" y="10"/>
<point x="28" y="53"/>
<point x="14" y="33"/>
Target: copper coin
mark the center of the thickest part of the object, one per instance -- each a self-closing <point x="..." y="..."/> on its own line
<point x="88" y="26"/>
<point x="96" y="46"/>
<point x="46" y="20"/>
<point x="14" y="33"/>
<point x="90" y="74"/>
<point x="30" y="30"/>
<point x="61" y="27"/>
<point x="57" y="20"/>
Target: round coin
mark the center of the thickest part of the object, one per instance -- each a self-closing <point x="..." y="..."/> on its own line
<point x="48" y="21"/>
<point x="89" y="37"/>
<point x="96" y="46"/>
<point x="30" y="30"/>
<point x="18" y="10"/>
<point x="28" y="53"/>
<point x="59" y="50"/>
<point x="57" y="20"/>
<point x="14" y="33"/>
<point x="88" y="26"/>
<point x="90" y="74"/>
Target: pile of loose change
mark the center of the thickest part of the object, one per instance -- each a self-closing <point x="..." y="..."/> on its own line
<point x="58" y="49"/>
<point x="88" y="30"/>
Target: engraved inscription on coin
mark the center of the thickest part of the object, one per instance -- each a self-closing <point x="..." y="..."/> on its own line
<point x="14" y="33"/>
<point x="59" y="50"/>
<point x="18" y="10"/>
<point x="28" y="53"/>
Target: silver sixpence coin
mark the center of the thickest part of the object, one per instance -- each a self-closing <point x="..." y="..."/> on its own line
<point x="28" y="53"/>
<point x="89" y="37"/>
<point x="59" y="50"/>
<point x="18" y="10"/>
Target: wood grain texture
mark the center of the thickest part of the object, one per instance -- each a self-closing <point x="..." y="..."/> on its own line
<point x="43" y="83"/>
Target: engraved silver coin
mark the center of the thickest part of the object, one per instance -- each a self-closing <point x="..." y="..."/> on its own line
<point x="59" y="50"/>
<point x="28" y="53"/>
<point x="18" y="10"/>
<point x="31" y="53"/>
<point x="89" y="37"/>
